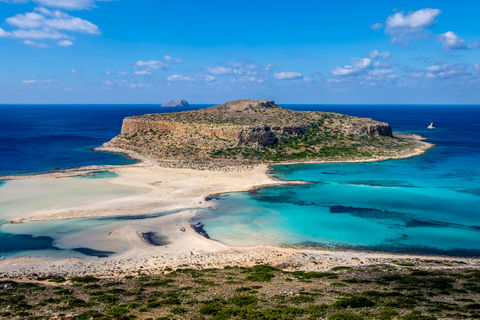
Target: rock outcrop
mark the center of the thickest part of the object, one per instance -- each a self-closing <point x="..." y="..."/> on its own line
<point x="431" y="126"/>
<point x="248" y="130"/>
<point x="178" y="103"/>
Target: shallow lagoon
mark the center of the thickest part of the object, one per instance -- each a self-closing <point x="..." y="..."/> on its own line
<point x="426" y="204"/>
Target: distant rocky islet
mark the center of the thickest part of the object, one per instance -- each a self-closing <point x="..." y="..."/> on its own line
<point x="177" y="103"/>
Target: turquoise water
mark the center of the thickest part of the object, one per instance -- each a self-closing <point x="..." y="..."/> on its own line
<point x="98" y="175"/>
<point x="76" y="237"/>
<point x="428" y="204"/>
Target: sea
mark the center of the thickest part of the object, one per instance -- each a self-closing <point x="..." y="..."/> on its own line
<point x="428" y="204"/>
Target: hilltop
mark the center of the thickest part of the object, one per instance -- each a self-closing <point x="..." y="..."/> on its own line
<point x="249" y="131"/>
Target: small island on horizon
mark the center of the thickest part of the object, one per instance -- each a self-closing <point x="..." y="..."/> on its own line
<point x="177" y="103"/>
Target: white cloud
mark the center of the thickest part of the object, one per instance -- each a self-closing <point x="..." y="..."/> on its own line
<point x="270" y="67"/>
<point x="65" y="43"/>
<point x="68" y="4"/>
<point x="107" y="82"/>
<point x="362" y="64"/>
<point x="172" y="60"/>
<point x="445" y="71"/>
<point x="476" y="67"/>
<point x="450" y="41"/>
<point x="177" y="77"/>
<point x="43" y="18"/>
<point x="63" y="4"/>
<point x="404" y="27"/>
<point x="36" y="81"/>
<point x="345" y="71"/>
<point x="44" y="24"/>
<point x="376" y="26"/>
<point x="433" y="68"/>
<point x="381" y="72"/>
<point x="152" y="64"/>
<point x="108" y="73"/>
<point x="35" y="44"/>
<point x="233" y="64"/>
<point x="219" y="70"/>
<point x="74" y="71"/>
<point x="289" y="75"/>
<point x="123" y="73"/>
<point x="32" y="34"/>
<point x="143" y="72"/>
<point x="209" y="78"/>
<point x="356" y="67"/>
<point x="375" y="54"/>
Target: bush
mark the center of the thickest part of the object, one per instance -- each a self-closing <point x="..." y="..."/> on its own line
<point x="241" y="301"/>
<point x="211" y="308"/>
<point x="354" y="302"/>
<point x="85" y="279"/>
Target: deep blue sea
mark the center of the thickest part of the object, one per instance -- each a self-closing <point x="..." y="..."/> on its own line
<point x="39" y="138"/>
<point x="428" y="204"/>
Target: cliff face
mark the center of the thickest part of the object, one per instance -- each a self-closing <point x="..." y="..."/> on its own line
<point x="243" y="135"/>
<point x="251" y="130"/>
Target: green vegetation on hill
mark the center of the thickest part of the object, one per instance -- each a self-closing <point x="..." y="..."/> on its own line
<point x="260" y="292"/>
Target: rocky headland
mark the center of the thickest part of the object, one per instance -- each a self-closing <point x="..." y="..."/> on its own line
<point x="251" y="132"/>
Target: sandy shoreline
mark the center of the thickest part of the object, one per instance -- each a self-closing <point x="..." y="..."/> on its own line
<point x="146" y="188"/>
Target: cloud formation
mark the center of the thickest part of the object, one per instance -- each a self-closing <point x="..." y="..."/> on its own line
<point x="375" y="54"/>
<point x="177" y="77"/>
<point x="172" y="59"/>
<point x="63" y="4"/>
<point x="356" y="67"/>
<point x="450" y="42"/>
<point x="152" y="64"/>
<point x="219" y="70"/>
<point x="45" y="24"/>
<point x="35" y="44"/>
<point x="404" y="27"/>
<point x="289" y="75"/>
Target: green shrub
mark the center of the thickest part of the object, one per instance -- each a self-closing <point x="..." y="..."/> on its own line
<point x="211" y="308"/>
<point x="354" y="302"/>
<point x="85" y="279"/>
<point x="241" y="301"/>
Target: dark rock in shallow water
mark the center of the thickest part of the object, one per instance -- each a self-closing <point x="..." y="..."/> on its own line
<point x="199" y="229"/>
<point x="155" y="238"/>
<point x="94" y="253"/>
<point x="178" y="103"/>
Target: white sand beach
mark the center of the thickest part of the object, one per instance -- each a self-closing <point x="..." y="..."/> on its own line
<point x="142" y="189"/>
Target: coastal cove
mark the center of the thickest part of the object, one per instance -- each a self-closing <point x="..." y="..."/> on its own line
<point x="420" y="205"/>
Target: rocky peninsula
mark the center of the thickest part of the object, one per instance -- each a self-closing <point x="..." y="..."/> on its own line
<point x="249" y="132"/>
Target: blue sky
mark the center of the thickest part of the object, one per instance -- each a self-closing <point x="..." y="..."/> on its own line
<point x="319" y="52"/>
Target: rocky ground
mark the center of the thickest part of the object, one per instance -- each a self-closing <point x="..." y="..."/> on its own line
<point x="399" y="289"/>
